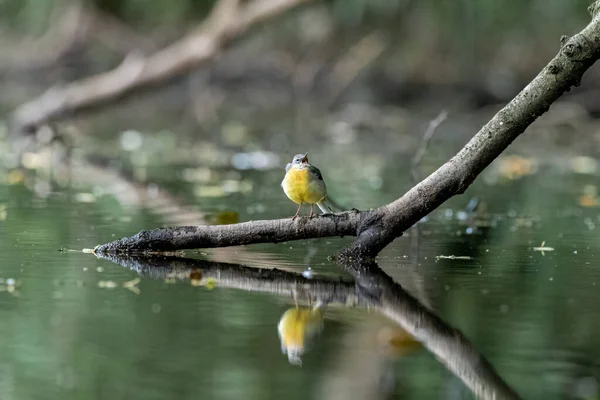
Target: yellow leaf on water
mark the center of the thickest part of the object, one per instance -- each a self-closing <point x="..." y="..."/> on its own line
<point x="211" y="283"/>
<point x="15" y="177"/>
<point x="588" y="200"/>
<point x="515" y="167"/>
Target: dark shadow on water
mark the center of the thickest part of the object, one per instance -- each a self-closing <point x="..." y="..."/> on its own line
<point x="372" y="289"/>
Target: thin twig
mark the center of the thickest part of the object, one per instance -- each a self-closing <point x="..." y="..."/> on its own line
<point x="424" y="144"/>
<point x="355" y="60"/>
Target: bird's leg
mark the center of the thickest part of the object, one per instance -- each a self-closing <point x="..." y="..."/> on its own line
<point x="295" y="295"/>
<point x="297" y="212"/>
<point x="312" y="214"/>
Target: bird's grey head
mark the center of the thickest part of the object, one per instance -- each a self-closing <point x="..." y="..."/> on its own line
<point x="300" y="159"/>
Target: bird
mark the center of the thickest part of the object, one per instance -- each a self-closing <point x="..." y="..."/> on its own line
<point x="303" y="183"/>
<point x="298" y="328"/>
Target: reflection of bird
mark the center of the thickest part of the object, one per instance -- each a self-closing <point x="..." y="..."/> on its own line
<point x="297" y="327"/>
<point x="397" y="342"/>
<point x="303" y="183"/>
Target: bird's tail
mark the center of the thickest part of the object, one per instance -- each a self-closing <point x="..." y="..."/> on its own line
<point x="328" y="206"/>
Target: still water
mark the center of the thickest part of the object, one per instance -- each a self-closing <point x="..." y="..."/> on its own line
<point x="518" y="276"/>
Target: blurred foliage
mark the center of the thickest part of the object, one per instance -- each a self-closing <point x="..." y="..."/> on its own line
<point x="32" y="15"/>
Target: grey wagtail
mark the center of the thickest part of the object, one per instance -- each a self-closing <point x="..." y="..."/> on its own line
<point x="303" y="183"/>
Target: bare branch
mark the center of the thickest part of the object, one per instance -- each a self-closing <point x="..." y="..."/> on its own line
<point x="207" y="236"/>
<point x="227" y="20"/>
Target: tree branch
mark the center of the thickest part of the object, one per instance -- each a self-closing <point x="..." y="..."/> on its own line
<point x="376" y="229"/>
<point x="228" y="20"/>
<point x="373" y="290"/>
<point x="207" y="236"/>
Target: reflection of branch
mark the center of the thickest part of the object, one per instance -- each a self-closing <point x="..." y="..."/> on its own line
<point x="448" y="344"/>
<point x="228" y="20"/>
<point x="241" y="277"/>
<point x="374" y="289"/>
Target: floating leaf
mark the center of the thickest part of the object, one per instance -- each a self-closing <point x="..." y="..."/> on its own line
<point x="15" y="177"/>
<point x="107" y="284"/>
<point x="515" y="167"/>
<point x="211" y="283"/>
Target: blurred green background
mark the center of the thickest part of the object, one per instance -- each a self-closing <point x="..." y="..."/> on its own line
<point x="354" y="83"/>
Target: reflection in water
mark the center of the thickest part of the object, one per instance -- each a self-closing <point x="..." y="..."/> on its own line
<point x="373" y="289"/>
<point x="396" y="342"/>
<point x="297" y="328"/>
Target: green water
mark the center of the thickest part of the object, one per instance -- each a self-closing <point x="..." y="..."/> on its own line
<point x="75" y="326"/>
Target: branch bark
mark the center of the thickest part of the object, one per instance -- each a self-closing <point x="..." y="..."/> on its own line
<point x="373" y="289"/>
<point x="376" y="229"/>
<point x="228" y="20"/>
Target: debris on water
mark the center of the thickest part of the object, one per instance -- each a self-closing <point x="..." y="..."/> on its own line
<point x="131" y="140"/>
<point x="515" y="167"/>
<point x="85" y="198"/>
<point x="14" y="177"/>
<point x="453" y="257"/>
<point x="211" y="283"/>
<point x="472" y="205"/>
<point x="100" y="269"/>
<point x="543" y="248"/>
<point x="132" y="285"/>
<point x="308" y="274"/>
<point x="583" y="165"/>
<point x="589" y="198"/>
<point x="107" y="284"/>
<point x="3" y="212"/>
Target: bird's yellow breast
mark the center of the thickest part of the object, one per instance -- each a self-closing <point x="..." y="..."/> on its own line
<point x="298" y="187"/>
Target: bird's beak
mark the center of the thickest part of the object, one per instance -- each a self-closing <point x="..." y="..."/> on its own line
<point x="305" y="158"/>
